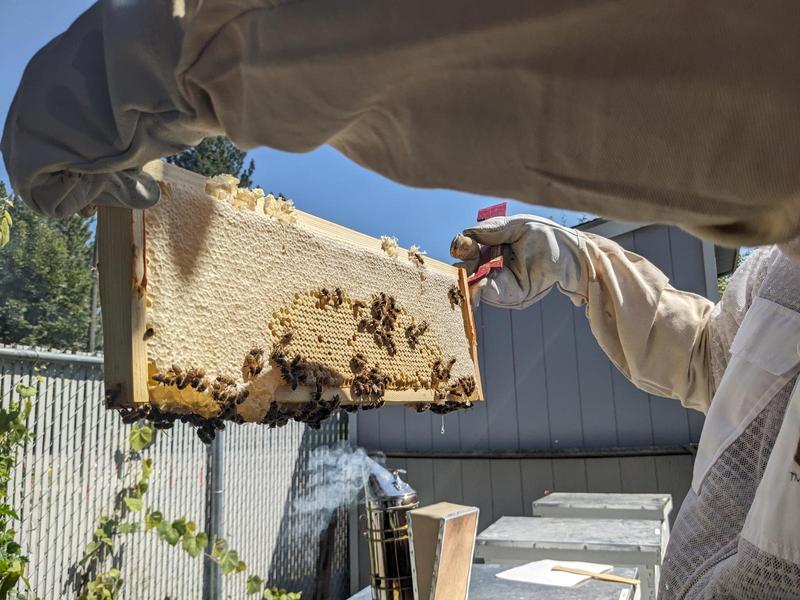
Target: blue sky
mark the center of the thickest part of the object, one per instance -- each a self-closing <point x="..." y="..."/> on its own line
<point x="322" y="182"/>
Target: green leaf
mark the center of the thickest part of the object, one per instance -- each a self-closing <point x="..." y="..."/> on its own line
<point x="192" y="545"/>
<point x="127" y="528"/>
<point x="179" y="525"/>
<point x="152" y="519"/>
<point x="133" y="503"/>
<point x="219" y="548"/>
<point x="241" y="566"/>
<point x="141" y="437"/>
<point x="90" y="550"/>
<point x="254" y="584"/>
<point x="147" y="470"/>
<point x="191" y="526"/>
<point x="229" y="562"/>
<point x="142" y="487"/>
<point x="167" y="533"/>
<point x="25" y="391"/>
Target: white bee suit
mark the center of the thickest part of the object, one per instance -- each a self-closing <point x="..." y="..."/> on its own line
<point x="737" y="535"/>
<point x="679" y="112"/>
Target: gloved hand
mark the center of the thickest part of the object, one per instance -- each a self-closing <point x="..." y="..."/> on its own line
<point x="538" y="254"/>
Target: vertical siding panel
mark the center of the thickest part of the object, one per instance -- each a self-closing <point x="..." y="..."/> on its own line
<point x="696" y="420"/>
<point x="537" y="480"/>
<point x="653" y="243"/>
<point x="638" y="474"/>
<point x="447" y="480"/>
<point x="569" y="475"/>
<point x="506" y="488"/>
<point x="674" y="477"/>
<point x="392" y="427"/>
<point x="670" y="422"/>
<point x="451" y="438"/>
<point x="531" y="384"/>
<point x="562" y="378"/>
<point x="603" y="475"/>
<point x="369" y="429"/>
<point x="474" y="422"/>
<point x="420" y="476"/>
<point x="596" y="389"/>
<point x="476" y="477"/>
<point x="499" y="379"/>
<point x="419" y="430"/>
<point x="632" y="413"/>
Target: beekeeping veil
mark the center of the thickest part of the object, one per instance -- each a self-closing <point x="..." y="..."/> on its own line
<point x="679" y="112"/>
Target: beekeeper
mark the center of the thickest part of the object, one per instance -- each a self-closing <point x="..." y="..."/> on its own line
<point x="678" y="112"/>
<point x="738" y="531"/>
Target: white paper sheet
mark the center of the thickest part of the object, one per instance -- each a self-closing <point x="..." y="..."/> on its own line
<point x="541" y="572"/>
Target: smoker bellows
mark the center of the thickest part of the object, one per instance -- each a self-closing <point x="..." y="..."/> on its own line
<point x="227" y="304"/>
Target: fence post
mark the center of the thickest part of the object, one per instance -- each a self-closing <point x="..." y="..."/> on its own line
<point x="212" y="576"/>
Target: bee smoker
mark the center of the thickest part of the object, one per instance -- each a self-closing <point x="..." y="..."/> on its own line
<point x="388" y="499"/>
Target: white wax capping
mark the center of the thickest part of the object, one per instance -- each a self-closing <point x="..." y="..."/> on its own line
<point x="389" y="245"/>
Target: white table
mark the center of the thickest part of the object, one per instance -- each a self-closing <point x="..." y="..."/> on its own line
<point x="623" y="542"/>
<point x="484" y="585"/>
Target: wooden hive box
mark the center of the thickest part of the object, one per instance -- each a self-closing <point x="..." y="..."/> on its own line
<point x="225" y="304"/>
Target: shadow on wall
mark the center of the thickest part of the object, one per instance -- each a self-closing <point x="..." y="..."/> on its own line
<point x="311" y="551"/>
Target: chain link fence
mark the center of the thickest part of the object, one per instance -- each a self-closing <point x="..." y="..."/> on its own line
<point x="70" y="475"/>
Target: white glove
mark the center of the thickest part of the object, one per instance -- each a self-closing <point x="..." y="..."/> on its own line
<point x="537" y="253"/>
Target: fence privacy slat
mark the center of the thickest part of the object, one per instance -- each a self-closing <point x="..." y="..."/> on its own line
<point x="68" y="476"/>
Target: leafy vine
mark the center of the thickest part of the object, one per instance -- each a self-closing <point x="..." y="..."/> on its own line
<point x="94" y="584"/>
<point x="14" y="435"/>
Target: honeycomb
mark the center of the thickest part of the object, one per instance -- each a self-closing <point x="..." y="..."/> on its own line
<point x="325" y="329"/>
<point x="256" y="313"/>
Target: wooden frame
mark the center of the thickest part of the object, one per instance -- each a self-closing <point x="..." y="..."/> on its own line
<point x="123" y="281"/>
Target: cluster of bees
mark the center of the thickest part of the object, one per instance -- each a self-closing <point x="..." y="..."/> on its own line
<point x="368" y="384"/>
<point x="206" y="428"/>
<point x="455" y="296"/>
<point x="414" y="332"/>
<point x="181" y="379"/>
<point x="381" y="323"/>
<point x="440" y="371"/>
<point x="335" y="298"/>
<point x="311" y="413"/>
<point x="299" y="372"/>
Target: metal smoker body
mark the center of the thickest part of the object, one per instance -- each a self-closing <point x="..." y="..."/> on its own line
<point x="388" y="499"/>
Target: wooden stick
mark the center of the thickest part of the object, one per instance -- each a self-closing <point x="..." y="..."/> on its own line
<point x="598" y="576"/>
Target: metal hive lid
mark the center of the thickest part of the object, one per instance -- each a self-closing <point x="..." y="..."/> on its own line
<point x="385" y="487"/>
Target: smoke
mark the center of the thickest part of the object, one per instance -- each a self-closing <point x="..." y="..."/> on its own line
<point x="335" y="478"/>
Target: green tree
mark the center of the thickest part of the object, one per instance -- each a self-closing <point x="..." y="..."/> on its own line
<point x="215" y="156"/>
<point x="724" y="280"/>
<point x="45" y="281"/>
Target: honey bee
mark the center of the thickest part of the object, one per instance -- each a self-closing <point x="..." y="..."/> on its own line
<point x="358" y="306"/>
<point x="338" y="296"/>
<point x="455" y="296"/>
<point x="253" y="363"/>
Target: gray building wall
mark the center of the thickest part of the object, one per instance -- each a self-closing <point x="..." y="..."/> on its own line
<point x="548" y="385"/>
<point x="558" y="416"/>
